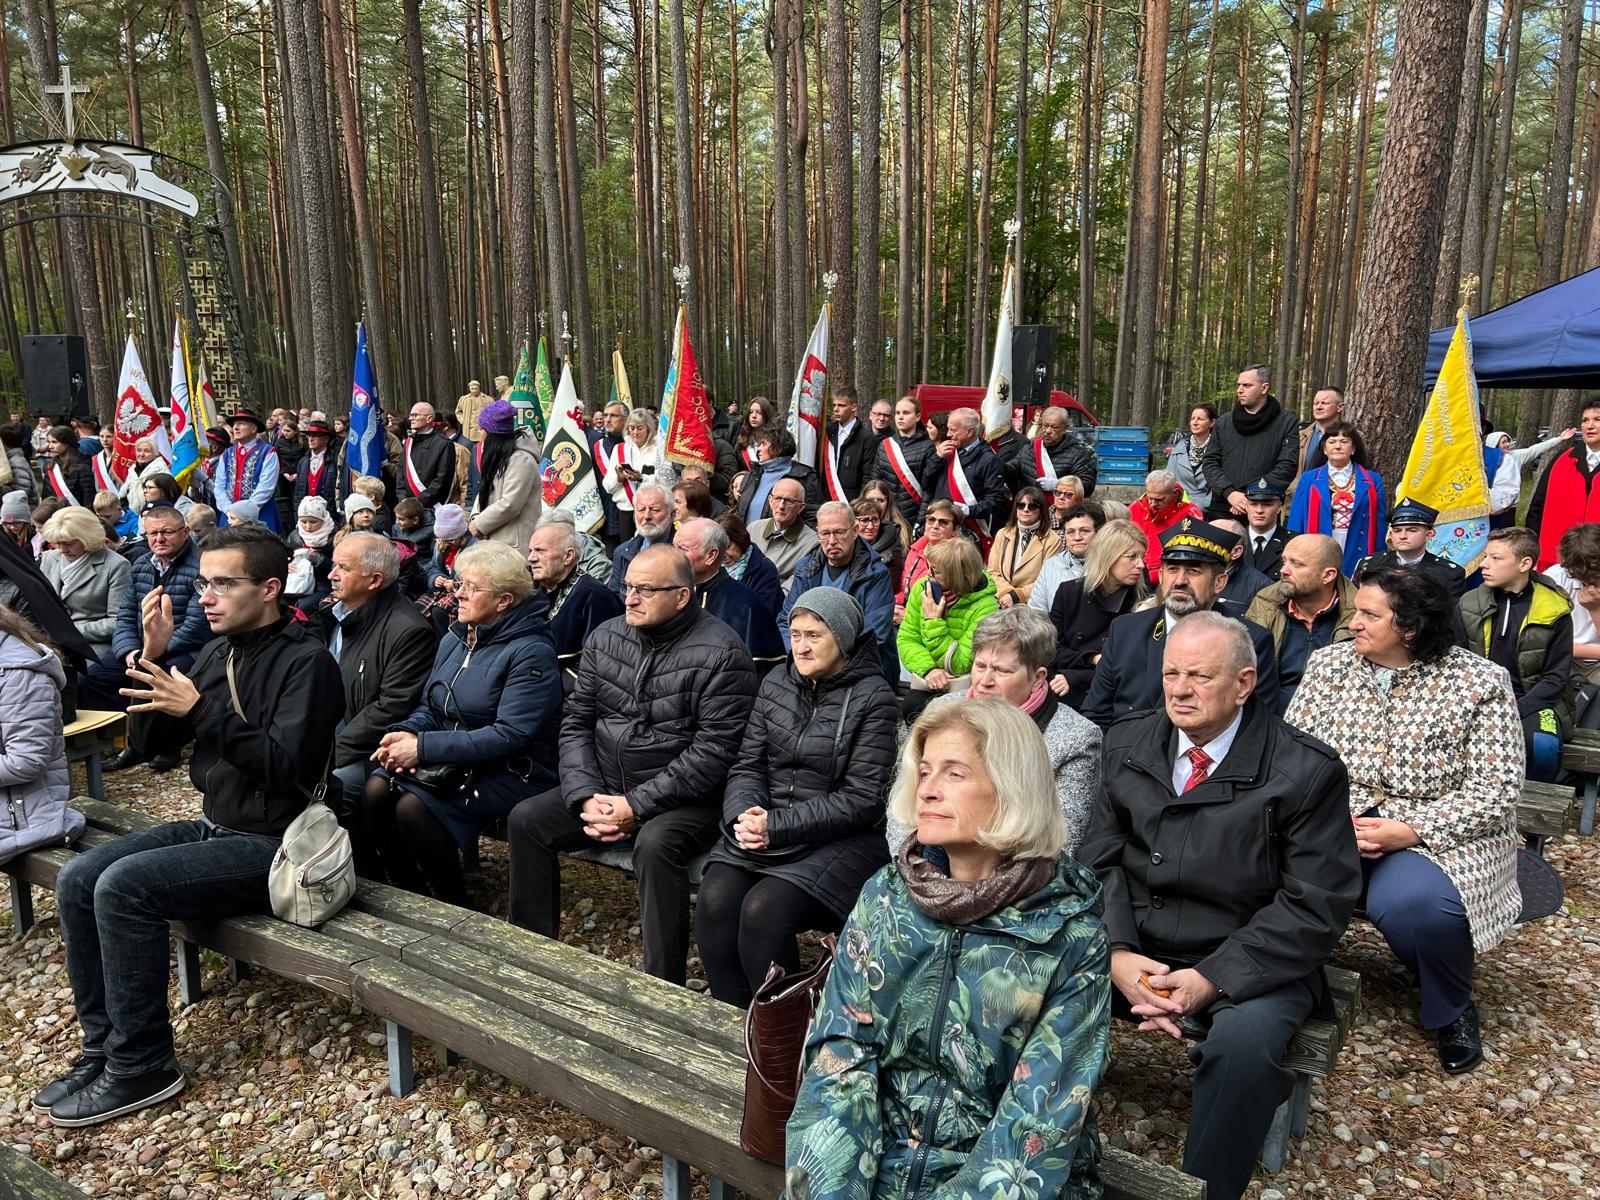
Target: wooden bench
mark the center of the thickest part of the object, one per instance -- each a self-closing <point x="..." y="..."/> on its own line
<point x="1544" y="810"/>
<point x="1313" y="1051"/>
<point x="92" y="734"/>
<point x="651" y="1060"/>
<point x="1581" y="756"/>
<point x="23" y="1179"/>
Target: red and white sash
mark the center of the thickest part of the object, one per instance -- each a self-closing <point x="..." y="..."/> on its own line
<point x="105" y="479"/>
<point x="902" y="470"/>
<point x="744" y="453"/>
<point x="413" y="479"/>
<point x="1042" y="466"/>
<point x="625" y="454"/>
<point x="58" y="485"/>
<point x="961" y="492"/>
<point x="830" y="471"/>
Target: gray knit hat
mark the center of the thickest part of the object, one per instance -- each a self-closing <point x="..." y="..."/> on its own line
<point x="838" y="610"/>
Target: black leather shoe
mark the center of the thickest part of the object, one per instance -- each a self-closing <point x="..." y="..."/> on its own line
<point x="108" y="1097"/>
<point x="1460" y="1047"/>
<point x="84" y="1072"/>
<point x="128" y="758"/>
<point x="162" y="763"/>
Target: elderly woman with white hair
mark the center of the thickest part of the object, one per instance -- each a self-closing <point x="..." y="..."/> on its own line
<point x="633" y="462"/>
<point x="966" y="1020"/>
<point x="484" y="735"/>
<point x="90" y="578"/>
<point x="147" y="463"/>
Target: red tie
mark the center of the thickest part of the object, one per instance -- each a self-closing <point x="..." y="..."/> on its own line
<point x="1200" y="760"/>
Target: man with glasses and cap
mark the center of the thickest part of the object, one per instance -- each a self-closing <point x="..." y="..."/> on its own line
<point x="1411" y="525"/>
<point x="247" y="473"/>
<point x="1194" y="570"/>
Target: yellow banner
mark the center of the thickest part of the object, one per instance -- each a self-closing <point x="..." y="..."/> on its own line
<point x="1445" y="468"/>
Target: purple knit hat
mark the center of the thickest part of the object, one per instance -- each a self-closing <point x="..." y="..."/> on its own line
<point x="498" y="416"/>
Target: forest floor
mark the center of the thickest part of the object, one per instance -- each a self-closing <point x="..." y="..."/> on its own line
<point x="287" y="1096"/>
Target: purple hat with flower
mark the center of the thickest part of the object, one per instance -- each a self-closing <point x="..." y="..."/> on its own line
<point x="498" y="416"/>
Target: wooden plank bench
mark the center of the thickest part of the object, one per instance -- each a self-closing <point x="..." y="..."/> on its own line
<point x="1544" y="811"/>
<point x="23" y="1179"/>
<point x="1581" y="756"/>
<point x="654" y="1061"/>
<point x="92" y="734"/>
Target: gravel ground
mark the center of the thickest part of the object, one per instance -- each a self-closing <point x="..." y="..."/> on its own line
<point x="287" y="1096"/>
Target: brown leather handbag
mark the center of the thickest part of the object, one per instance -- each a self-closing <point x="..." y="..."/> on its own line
<point x="774" y="1044"/>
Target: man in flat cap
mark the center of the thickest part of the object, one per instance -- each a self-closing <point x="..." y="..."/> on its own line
<point x="1194" y="570"/>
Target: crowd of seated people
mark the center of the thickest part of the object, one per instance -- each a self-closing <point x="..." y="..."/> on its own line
<point x="952" y="706"/>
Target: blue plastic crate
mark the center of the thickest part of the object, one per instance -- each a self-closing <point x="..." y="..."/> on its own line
<point x="1136" y="478"/>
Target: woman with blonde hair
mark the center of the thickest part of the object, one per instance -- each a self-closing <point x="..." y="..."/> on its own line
<point x="974" y="972"/>
<point x="90" y="578"/>
<point x="1112" y="584"/>
<point x="943" y="609"/>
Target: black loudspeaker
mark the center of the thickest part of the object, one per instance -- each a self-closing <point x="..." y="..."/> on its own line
<point x="1033" y="350"/>
<point x="55" y="369"/>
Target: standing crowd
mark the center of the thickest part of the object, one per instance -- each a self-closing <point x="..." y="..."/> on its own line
<point x="1041" y="759"/>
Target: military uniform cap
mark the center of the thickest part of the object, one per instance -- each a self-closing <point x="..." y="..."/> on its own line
<point x="1197" y="541"/>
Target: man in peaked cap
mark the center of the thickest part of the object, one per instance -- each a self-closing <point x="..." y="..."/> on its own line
<point x="1194" y="570"/>
<point x="1264" y="535"/>
<point x="1411" y="525"/>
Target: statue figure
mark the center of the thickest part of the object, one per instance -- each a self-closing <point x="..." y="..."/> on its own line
<point x="469" y="406"/>
<point x="502" y="387"/>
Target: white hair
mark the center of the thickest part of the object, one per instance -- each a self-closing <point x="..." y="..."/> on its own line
<point x="1160" y="479"/>
<point x="1240" y="651"/>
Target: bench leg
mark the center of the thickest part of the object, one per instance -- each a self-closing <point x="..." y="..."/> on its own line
<point x="675" y="1184"/>
<point x="1300" y="1106"/>
<point x="1275" y="1148"/>
<point x="97" y="781"/>
<point x="721" y="1189"/>
<point x="189" y="989"/>
<point x="470" y="860"/>
<point x="238" y="971"/>
<point x="402" y="1070"/>
<point x="21" y="906"/>
<point x="1591" y="786"/>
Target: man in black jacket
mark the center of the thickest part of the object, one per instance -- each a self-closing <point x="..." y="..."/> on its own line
<point x="1224" y="847"/>
<point x="1256" y="439"/>
<point x="384" y="648"/>
<point x="852" y="447"/>
<point x="428" y="461"/>
<point x="647" y="738"/>
<point x="1056" y="453"/>
<point x="964" y="471"/>
<point x="318" y="471"/>
<point x="903" y="457"/>
<point x="260" y="706"/>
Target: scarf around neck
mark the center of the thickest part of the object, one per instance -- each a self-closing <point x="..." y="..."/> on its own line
<point x="959" y="902"/>
<point x="1248" y="424"/>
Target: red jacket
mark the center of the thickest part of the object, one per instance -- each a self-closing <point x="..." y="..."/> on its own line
<point x="1154" y="525"/>
<point x="1565" y="496"/>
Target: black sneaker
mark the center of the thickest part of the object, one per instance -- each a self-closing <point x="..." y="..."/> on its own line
<point x="1460" y="1046"/>
<point x="128" y="758"/>
<point x="108" y="1097"/>
<point x="84" y="1072"/>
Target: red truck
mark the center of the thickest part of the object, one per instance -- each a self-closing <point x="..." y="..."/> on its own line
<point x="941" y="397"/>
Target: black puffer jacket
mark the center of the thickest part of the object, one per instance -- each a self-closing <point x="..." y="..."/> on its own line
<point x="917" y="450"/>
<point x="657" y="714"/>
<point x="819" y="758"/>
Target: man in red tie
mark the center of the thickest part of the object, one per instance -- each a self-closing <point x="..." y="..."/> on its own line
<point x="1224" y="848"/>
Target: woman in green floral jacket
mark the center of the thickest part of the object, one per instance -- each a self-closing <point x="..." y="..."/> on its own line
<point x="966" y="1020"/>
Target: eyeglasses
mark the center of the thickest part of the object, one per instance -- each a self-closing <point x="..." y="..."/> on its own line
<point x="222" y="584"/>
<point x="651" y="589"/>
<point x="784" y="500"/>
<point x="464" y="588"/>
<point x="1026" y="504"/>
<point x="164" y="533"/>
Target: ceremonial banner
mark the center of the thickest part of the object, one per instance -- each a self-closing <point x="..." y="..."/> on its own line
<point x="137" y="417"/>
<point x="683" y="434"/>
<point x="368" y="445"/>
<point x="621" y="393"/>
<point x="544" y="386"/>
<point x="185" y="438"/>
<point x="1445" y="467"/>
<point x="566" y="471"/>
<point x="997" y="400"/>
<point x="806" y="399"/>
<point x="203" y="407"/>
<point x="529" y="414"/>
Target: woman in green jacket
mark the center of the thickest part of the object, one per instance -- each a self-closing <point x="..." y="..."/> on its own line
<point x="966" y="1020"/>
<point x="943" y="609"/>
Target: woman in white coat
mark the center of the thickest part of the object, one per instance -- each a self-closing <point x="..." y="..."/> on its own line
<point x="508" y="503"/>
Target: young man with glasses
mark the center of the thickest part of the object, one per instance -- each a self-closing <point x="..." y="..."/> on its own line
<point x="260" y="706"/>
<point x="647" y="738"/>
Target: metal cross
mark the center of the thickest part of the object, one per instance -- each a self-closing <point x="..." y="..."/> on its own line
<point x="67" y="91"/>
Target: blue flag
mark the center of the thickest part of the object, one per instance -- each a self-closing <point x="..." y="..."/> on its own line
<point x="365" y="450"/>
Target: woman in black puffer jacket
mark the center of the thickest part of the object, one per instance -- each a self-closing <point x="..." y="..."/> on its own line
<point x="803" y="812"/>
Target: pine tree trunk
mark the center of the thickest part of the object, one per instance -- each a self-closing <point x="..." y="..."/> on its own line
<point x="1447" y="290"/>
<point x="1291" y="232"/>
<point x="904" y="308"/>
<point x="978" y="344"/>
<point x="1152" y="120"/>
<point x="544" y="143"/>
<point x="521" y="215"/>
<point x="1494" y="206"/>
<point x="683" y="184"/>
<point x="869" y="205"/>
<point x="785" y="353"/>
<point x="583" y="322"/>
<point x="1401" y="257"/>
<point x="841" y="194"/>
<point x="1093" y="38"/>
<point x="801" y="128"/>
<point x="1358" y="193"/>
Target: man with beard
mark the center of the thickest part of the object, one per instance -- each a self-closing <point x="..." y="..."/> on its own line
<point x="1194" y="565"/>
<point x="1308" y="608"/>
<point x="1256" y="439"/>
<point x="652" y="523"/>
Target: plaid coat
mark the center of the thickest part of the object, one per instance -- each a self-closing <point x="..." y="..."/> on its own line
<point x="1443" y="752"/>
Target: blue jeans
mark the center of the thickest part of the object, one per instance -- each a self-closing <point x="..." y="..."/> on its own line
<point x="115" y="902"/>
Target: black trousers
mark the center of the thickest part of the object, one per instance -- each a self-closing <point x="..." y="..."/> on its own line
<point x="746" y="921"/>
<point x="663" y="850"/>
<point x="1239" y="1082"/>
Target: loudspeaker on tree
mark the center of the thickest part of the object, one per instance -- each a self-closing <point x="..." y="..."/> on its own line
<point x="55" y="373"/>
<point x="1033" y="349"/>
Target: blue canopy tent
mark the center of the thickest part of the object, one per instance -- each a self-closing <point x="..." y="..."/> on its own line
<point x="1550" y="339"/>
